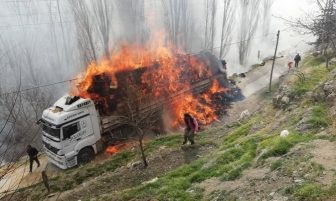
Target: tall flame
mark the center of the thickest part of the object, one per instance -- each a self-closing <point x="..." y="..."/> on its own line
<point x="167" y="71"/>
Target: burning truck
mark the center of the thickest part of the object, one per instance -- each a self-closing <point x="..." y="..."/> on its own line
<point x="168" y="81"/>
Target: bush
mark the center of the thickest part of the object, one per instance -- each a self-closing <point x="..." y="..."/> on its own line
<point x="276" y="165"/>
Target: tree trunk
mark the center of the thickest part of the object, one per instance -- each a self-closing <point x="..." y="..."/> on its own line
<point x="140" y="138"/>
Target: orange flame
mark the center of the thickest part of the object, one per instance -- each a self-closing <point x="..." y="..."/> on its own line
<point x="168" y="70"/>
<point x="115" y="149"/>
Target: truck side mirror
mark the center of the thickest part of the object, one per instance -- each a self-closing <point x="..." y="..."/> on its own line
<point x="38" y="122"/>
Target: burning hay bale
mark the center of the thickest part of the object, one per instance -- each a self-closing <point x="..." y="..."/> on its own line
<point x="162" y="75"/>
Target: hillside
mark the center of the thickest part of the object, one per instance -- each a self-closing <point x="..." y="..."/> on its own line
<point x="235" y="160"/>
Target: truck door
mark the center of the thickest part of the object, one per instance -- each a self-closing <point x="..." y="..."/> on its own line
<point x="71" y="136"/>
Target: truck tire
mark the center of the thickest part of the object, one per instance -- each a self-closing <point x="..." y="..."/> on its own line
<point x="85" y="155"/>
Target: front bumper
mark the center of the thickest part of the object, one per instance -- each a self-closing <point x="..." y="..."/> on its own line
<point x="61" y="161"/>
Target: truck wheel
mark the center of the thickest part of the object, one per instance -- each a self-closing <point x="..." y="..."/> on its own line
<point x="85" y="155"/>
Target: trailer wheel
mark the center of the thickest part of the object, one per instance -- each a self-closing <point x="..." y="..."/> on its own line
<point x="85" y="155"/>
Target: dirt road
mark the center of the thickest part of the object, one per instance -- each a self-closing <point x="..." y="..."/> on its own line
<point x="19" y="176"/>
<point x="256" y="80"/>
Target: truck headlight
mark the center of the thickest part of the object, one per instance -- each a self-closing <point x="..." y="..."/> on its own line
<point x="60" y="152"/>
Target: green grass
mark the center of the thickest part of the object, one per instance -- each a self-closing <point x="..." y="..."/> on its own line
<point x="173" y="140"/>
<point x="241" y="131"/>
<point x="276" y="165"/>
<point x="315" y="61"/>
<point x="317" y="75"/>
<point x="226" y="164"/>
<point x="73" y="177"/>
<point x="278" y="146"/>
<point x="319" y="116"/>
<point x="313" y="79"/>
<point x="313" y="191"/>
<point x="308" y="191"/>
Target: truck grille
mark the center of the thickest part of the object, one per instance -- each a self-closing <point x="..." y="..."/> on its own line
<point x="50" y="148"/>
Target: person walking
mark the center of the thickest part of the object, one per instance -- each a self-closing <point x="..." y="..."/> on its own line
<point x="191" y="128"/>
<point x="32" y="153"/>
<point x="297" y="59"/>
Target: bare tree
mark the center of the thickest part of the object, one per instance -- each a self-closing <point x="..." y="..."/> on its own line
<point x="21" y="109"/>
<point x="85" y="31"/>
<point x="322" y="25"/>
<point x="132" y="20"/>
<point x="210" y="24"/>
<point x="267" y="5"/>
<point x="226" y="28"/>
<point x="249" y="11"/>
<point x="178" y="22"/>
<point x="141" y="114"/>
<point x="103" y="12"/>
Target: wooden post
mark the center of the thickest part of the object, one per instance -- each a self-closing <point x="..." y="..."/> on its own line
<point x="275" y="53"/>
<point x="45" y="180"/>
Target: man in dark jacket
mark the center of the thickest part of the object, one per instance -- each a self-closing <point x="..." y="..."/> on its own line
<point x="32" y="153"/>
<point x="297" y="59"/>
<point x="190" y="129"/>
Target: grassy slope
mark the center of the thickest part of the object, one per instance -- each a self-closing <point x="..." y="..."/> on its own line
<point x="237" y="148"/>
<point x="245" y="146"/>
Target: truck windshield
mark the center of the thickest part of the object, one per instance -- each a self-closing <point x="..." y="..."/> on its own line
<point x="51" y="131"/>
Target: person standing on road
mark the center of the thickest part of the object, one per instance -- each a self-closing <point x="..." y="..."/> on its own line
<point x="191" y="128"/>
<point x="32" y="153"/>
<point x="297" y="59"/>
<point x="290" y="65"/>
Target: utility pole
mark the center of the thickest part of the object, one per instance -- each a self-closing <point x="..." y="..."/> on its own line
<point x="275" y="53"/>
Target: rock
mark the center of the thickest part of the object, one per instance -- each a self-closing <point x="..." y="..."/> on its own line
<point x="256" y="127"/>
<point x="332" y="111"/>
<point x="244" y="114"/>
<point x="272" y="194"/>
<point x="332" y="74"/>
<point x="316" y="53"/>
<point x="299" y="181"/>
<point x="190" y="190"/>
<point x="284" y="133"/>
<point x="151" y="181"/>
<point x="332" y="61"/>
<point x="278" y="113"/>
<point x="331" y="99"/>
<point x="309" y="94"/>
<point x="282" y="98"/>
<point x="134" y="164"/>
<point x="329" y="87"/>
<point x="304" y="124"/>
<point x="318" y="94"/>
<point x="303" y="127"/>
<point x="285" y="100"/>
<point x="276" y="125"/>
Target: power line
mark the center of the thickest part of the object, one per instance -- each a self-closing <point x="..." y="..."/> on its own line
<point x="37" y="87"/>
<point x="35" y="24"/>
<point x="33" y="14"/>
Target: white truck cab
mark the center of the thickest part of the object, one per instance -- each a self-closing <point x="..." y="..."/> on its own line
<point x="70" y="131"/>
